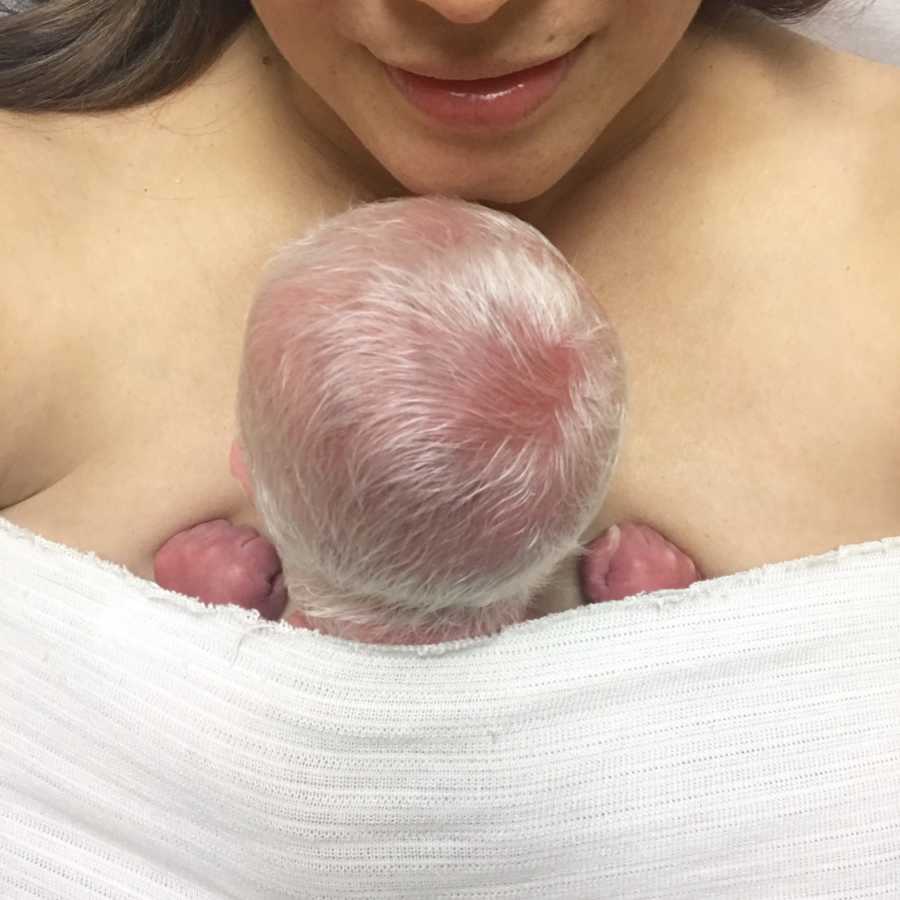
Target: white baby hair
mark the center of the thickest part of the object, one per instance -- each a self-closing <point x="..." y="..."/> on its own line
<point x="430" y="405"/>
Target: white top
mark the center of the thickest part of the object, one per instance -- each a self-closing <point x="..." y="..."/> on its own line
<point x="739" y="739"/>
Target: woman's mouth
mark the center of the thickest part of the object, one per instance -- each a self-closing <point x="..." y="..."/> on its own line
<point x="484" y="102"/>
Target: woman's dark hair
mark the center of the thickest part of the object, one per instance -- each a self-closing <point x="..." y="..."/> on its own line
<point x="93" y="55"/>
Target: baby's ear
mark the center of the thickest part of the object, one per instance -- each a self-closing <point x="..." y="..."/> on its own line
<point x="239" y="469"/>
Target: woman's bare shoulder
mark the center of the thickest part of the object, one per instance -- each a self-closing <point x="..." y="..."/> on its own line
<point x="35" y="303"/>
<point x="29" y="171"/>
<point x="867" y="94"/>
<point x="835" y="118"/>
<point x="843" y="127"/>
<point x="856" y="173"/>
<point x="153" y="220"/>
<point x="856" y="95"/>
<point x="869" y="120"/>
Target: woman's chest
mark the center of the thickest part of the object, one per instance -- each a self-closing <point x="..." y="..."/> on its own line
<point x="154" y="435"/>
<point x="760" y="424"/>
<point x="747" y="443"/>
<point x="132" y="349"/>
<point x="763" y="381"/>
<point x="137" y="379"/>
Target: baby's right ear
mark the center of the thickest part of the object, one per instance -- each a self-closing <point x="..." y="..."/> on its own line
<point x="239" y="469"/>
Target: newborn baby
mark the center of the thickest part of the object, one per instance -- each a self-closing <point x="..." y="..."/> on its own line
<point x="429" y="412"/>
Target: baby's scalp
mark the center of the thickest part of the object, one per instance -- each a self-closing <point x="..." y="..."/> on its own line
<point x="430" y="404"/>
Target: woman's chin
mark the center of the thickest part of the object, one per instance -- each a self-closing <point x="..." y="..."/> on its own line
<point x="473" y="185"/>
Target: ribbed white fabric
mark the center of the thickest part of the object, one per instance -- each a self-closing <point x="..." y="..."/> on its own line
<point x="740" y="739"/>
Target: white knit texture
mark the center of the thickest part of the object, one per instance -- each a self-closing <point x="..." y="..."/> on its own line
<point x="739" y="739"/>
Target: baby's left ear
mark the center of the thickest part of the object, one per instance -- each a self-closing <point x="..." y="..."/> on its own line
<point x="239" y="469"/>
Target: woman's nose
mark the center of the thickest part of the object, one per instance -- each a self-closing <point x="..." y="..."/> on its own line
<point x="465" y="12"/>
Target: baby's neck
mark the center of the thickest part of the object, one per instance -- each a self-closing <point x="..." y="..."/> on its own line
<point x="367" y="634"/>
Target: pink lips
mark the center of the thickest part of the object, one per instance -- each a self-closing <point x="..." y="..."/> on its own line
<point x="487" y="102"/>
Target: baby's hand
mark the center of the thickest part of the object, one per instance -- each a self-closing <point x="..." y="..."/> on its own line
<point x="630" y="559"/>
<point x="223" y="563"/>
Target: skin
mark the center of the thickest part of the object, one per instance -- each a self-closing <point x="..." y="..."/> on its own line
<point x="221" y="563"/>
<point x="736" y="213"/>
<point x="224" y="564"/>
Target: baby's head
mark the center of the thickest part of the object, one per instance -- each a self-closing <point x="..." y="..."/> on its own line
<point x="429" y="410"/>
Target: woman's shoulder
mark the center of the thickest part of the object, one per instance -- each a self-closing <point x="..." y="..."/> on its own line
<point x="29" y="173"/>
<point x="153" y="220"/>
<point x="822" y="146"/>
<point x="848" y="100"/>
<point x="863" y="96"/>
<point x="817" y="130"/>
<point x="859" y="111"/>
<point x="787" y="85"/>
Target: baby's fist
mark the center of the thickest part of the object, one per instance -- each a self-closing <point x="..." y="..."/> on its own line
<point x="631" y="559"/>
<point x="223" y="563"/>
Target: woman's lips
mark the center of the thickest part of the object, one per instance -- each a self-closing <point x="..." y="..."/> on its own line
<point x="485" y="102"/>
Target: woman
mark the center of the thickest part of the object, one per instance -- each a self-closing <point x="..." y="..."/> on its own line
<point x="728" y="189"/>
<point x="732" y="194"/>
<point x="731" y="191"/>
